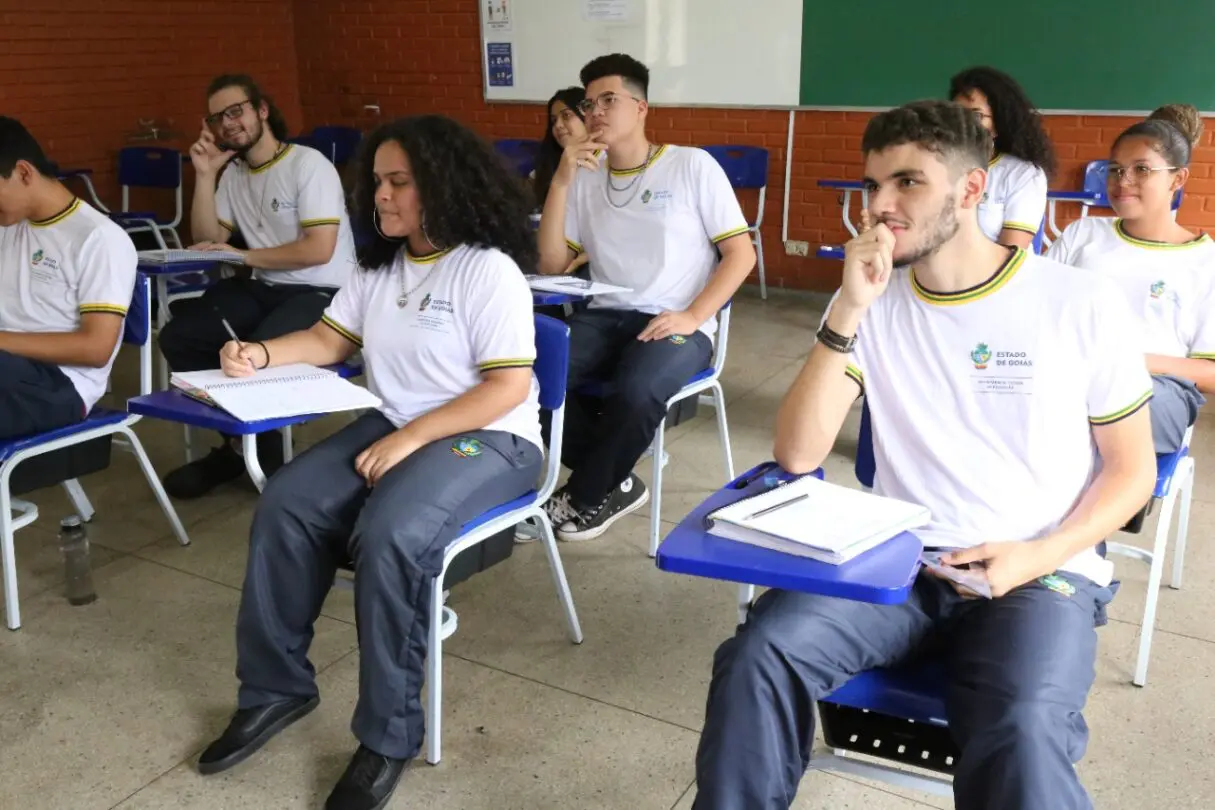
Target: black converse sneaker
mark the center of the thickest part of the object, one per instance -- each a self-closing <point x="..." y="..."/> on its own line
<point x="559" y="510"/>
<point x="587" y="524"/>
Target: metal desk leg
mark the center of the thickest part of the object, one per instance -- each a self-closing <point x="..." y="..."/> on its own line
<point x="248" y="445"/>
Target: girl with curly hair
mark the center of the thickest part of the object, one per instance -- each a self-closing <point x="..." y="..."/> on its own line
<point x="443" y="315"/>
<point x="1165" y="271"/>
<point x="1015" y="202"/>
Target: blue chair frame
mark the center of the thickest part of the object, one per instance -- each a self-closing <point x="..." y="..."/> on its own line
<point x="150" y="167"/>
<point x="519" y="153"/>
<point x="747" y="168"/>
<point x="338" y="143"/>
<point x="137" y="331"/>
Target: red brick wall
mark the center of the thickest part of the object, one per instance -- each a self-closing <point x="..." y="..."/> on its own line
<point x="80" y="74"/>
<point x="425" y="57"/>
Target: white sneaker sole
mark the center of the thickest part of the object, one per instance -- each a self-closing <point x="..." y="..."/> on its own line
<point x="597" y="532"/>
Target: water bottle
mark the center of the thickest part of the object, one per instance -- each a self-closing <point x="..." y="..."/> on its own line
<point x="77" y="567"/>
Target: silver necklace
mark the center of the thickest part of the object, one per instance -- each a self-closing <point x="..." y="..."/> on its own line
<point x="261" y="206"/>
<point x="634" y="184"/>
<point x="403" y="299"/>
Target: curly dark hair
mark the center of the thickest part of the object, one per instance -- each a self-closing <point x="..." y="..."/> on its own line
<point x="1018" y="126"/>
<point x="469" y="195"/>
<point x="944" y="128"/>
<point x="548" y="156"/>
<point x="635" y="75"/>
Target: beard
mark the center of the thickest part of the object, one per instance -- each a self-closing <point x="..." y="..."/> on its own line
<point x="938" y="230"/>
<point x="254" y="138"/>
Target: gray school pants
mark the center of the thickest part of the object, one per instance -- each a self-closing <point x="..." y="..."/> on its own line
<point x="1174" y="407"/>
<point x="1020" y="668"/>
<point x="316" y="512"/>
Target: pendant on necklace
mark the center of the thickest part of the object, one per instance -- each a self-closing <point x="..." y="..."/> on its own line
<point x="403" y="302"/>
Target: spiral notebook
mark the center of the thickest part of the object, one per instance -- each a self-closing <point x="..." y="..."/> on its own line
<point x="174" y="256"/>
<point x="816" y="519"/>
<point x="275" y="393"/>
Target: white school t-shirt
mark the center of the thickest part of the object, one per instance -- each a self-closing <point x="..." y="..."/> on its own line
<point x="469" y="310"/>
<point x="1015" y="197"/>
<point x="661" y="244"/>
<point x="54" y="270"/>
<point x="272" y="205"/>
<point x="982" y="401"/>
<point x="1170" y="289"/>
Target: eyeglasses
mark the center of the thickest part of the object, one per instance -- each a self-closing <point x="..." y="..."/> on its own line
<point x="1136" y="174"/>
<point x="604" y="102"/>
<point x="230" y="113"/>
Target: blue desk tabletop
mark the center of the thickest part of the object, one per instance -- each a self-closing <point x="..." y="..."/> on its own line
<point x="1073" y="196"/>
<point x="174" y="268"/>
<point x="883" y="575"/>
<point x="554" y="299"/>
<point x="842" y="185"/>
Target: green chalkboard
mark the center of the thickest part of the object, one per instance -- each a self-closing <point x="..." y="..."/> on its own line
<point x="1116" y="55"/>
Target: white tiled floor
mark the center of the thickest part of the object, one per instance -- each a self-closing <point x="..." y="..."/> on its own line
<point x="107" y="706"/>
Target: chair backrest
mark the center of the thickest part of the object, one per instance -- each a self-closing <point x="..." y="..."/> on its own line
<point x="746" y="166"/>
<point x="337" y="143"/>
<point x="866" y="467"/>
<point x="137" y="327"/>
<point x="149" y="167"/>
<point x="723" y="335"/>
<point x="306" y="140"/>
<point x="552" y="370"/>
<point x="1095" y="181"/>
<point x="1039" y="237"/>
<point x="519" y="154"/>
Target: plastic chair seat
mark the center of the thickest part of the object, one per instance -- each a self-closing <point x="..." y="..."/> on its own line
<point x="98" y="417"/>
<point x="913" y="692"/>
<point x="139" y="218"/>
<point x="522" y="502"/>
<point x="600" y="389"/>
<point x="1166" y="468"/>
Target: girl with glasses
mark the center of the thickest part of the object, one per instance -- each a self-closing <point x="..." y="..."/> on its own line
<point x="1166" y="271"/>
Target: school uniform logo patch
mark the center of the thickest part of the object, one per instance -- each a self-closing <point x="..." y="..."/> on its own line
<point x="981" y="355"/>
<point x="1057" y="584"/>
<point x="37" y="257"/>
<point x="425" y="303"/>
<point x="41" y="259"/>
<point x="1157" y="289"/>
<point x="678" y="340"/>
<point x="646" y="196"/>
<point x="466" y="447"/>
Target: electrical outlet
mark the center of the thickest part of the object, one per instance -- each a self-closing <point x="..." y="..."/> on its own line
<point x="794" y="247"/>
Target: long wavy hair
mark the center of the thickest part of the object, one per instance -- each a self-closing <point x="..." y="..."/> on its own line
<point x="274" y="116"/>
<point x="468" y="195"/>
<point x="548" y="156"/>
<point x="1018" y="126"/>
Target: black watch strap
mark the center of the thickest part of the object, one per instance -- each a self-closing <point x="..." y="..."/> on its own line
<point x="834" y="341"/>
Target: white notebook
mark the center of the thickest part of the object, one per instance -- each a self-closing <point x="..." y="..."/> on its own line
<point x="274" y="393"/>
<point x="816" y="519"/>
<point x="172" y="256"/>
<point x="572" y="285"/>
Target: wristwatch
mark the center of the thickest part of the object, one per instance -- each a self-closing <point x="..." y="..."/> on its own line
<point x="834" y="341"/>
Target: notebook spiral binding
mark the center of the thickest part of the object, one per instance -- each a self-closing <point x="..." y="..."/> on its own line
<point x="242" y="383"/>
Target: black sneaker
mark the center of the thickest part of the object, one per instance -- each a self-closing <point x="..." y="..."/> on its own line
<point x="368" y="782"/>
<point x="587" y="524"/>
<point x="193" y="480"/>
<point x="249" y="730"/>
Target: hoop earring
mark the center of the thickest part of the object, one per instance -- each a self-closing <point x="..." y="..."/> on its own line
<point x="375" y="223"/>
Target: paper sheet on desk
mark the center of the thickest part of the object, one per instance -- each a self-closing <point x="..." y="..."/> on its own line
<point x="570" y="285"/>
<point x="973" y="579"/>
<point x="173" y="256"/>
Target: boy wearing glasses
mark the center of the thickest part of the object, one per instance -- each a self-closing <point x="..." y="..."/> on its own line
<point x="66" y="277"/>
<point x="287" y="202"/>
<point x="663" y="222"/>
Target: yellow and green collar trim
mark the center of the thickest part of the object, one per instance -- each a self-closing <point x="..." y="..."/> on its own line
<point x="112" y="309"/>
<point x="1154" y="245"/>
<point x="506" y="362"/>
<point x="628" y="172"/>
<point x="341" y="330"/>
<point x="429" y="258"/>
<point x="72" y="208"/>
<point x="1001" y="277"/>
<point x="276" y="159"/>
<point x="994" y="159"/>
<point x="1123" y="413"/>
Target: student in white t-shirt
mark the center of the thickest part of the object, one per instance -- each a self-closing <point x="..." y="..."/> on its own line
<point x="1165" y="272"/>
<point x="67" y="274"/>
<point x="1014" y="203"/>
<point x="287" y="203"/>
<point x="443" y="315"/>
<point x="991" y="376"/>
<point x="663" y="222"/>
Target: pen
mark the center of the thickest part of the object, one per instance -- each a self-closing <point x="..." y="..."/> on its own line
<point x="769" y="510"/>
<point x="232" y="334"/>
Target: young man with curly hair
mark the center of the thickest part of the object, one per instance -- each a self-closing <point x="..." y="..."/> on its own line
<point x="991" y="375"/>
<point x="663" y="222"/>
<point x="1022" y="160"/>
<point x="443" y="315"/>
<point x="287" y="202"/>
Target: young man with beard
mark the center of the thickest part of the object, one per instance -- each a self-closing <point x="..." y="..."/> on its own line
<point x="991" y="375"/>
<point x="287" y="202"/>
<point x="663" y="222"/>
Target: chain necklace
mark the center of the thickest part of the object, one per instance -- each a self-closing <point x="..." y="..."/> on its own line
<point x="403" y="299"/>
<point x="261" y="206"/>
<point x="634" y="184"/>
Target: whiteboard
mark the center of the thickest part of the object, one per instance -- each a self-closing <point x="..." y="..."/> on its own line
<point x="727" y="53"/>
